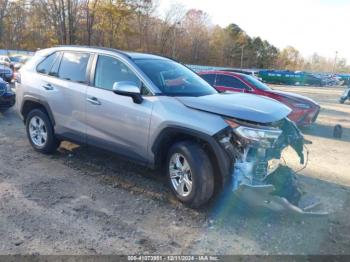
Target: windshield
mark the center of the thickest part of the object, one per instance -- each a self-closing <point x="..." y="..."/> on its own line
<point x="257" y="83"/>
<point x="174" y="79"/>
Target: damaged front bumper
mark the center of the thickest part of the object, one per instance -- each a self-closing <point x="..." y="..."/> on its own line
<point x="262" y="196"/>
<point x="257" y="176"/>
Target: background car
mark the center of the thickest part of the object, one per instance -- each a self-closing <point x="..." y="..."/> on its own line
<point x="304" y="110"/>
<point x="6" y="73"/>
<point x="7" y="97"/>
<point x="252" y="72"/>
<point x="6" y="61"/>
<point x="18" y="61"/>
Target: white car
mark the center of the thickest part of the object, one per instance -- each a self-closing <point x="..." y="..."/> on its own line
<point x="5" y="60"/>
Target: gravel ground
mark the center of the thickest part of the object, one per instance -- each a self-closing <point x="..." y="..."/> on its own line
<point x="85" y="201"/>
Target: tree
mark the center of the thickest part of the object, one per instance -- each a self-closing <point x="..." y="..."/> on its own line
<point x="290" y="59"/>
<point x="168" y="27"/>
<point x="90" y="7"/>
<point x="187" y="35"/>
<point x="111" y="21"/>
<point x="144" y="11"/>
<point x="3" y="13"/>
<point x="15" y="24"/>
<point x="63" y="16"/>
<point x="216" y="46"/>
<point x="196" y="45"/>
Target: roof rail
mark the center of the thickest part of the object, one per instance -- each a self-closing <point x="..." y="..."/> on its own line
<point x="97" y="47"/>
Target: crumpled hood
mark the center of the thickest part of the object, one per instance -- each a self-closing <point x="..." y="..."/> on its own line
<point x="241" y="106"/>
<point x="293" y="96"/>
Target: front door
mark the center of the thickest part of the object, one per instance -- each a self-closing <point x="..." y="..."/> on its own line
<point x="115" y="122"/>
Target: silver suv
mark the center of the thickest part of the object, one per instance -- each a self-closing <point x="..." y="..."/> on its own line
<point x="161" y="114"/>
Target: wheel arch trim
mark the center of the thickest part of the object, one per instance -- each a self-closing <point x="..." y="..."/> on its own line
<point x="33" y="99"/>
<point x="223" y="161"/>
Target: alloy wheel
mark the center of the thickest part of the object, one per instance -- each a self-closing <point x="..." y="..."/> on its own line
<point x="38" y="131"/>
<point x="180" y="174"/>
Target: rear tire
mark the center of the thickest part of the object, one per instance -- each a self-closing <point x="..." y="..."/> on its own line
<point x="40" y="132"/>
<point x="190" y="174"/>
<point x="342" y="100"/>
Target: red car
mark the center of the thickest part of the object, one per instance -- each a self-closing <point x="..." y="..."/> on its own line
<point x="305" y="110"/>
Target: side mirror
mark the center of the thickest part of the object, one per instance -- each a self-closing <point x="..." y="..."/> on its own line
<point x="127" y="88"/>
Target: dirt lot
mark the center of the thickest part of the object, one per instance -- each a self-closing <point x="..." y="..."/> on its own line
<point x="85" y="201"/>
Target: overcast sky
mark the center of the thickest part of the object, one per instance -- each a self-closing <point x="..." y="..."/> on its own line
<point x="320" y="26"/>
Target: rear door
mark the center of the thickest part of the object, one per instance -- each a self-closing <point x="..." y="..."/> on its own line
<point x="229" y="83"/>
<point x="115" y="122"/>
<point x="64" y="88"/>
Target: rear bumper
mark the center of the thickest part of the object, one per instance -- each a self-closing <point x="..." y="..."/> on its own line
<point x="262" y="197"/>
<point x="7" y="100"/>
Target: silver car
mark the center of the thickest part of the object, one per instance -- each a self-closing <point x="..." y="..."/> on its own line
<point x="163" y="115"/>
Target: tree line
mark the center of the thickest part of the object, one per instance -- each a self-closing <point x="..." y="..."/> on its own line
<point x="186" y="35"/>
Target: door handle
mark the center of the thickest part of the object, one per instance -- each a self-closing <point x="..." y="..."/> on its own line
<point x="48" y="87"/>
<point x="94" y="101"/>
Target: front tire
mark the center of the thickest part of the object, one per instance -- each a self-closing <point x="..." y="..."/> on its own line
<point x="342" y="100"/>
<point x="40" y="132"/>
<point x="190" y="174"/>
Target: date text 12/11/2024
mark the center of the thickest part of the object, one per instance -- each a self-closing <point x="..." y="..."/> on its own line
<point x="172" y="258"/>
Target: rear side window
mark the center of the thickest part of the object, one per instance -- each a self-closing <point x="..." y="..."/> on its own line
<point x="210" y="78"/>
<point x="45" y="66"/>
<point x="73" y="67"/>
<point x="55" y="66"/>
<point x="229" y="81"/>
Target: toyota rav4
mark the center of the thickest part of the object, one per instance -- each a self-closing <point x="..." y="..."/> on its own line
<point x="163" y="115"/>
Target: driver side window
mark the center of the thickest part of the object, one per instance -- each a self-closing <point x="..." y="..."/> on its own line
<point x="110" y="70"/>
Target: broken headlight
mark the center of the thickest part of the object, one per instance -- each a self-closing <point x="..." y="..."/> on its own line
<point x="266" y="136"/>
<point x="258" y="134"/>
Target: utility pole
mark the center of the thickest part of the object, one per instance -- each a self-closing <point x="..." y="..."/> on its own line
<point x="242" y="54"/>
<point x="335" y="62"/>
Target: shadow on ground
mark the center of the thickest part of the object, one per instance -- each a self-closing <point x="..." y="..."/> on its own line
<point x="335" y="113"/>
<point x="326" y="131"/>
